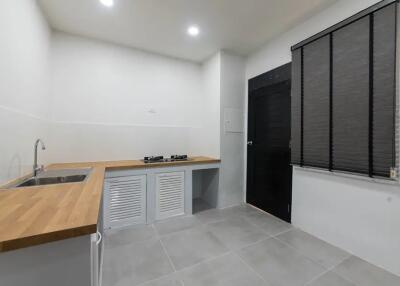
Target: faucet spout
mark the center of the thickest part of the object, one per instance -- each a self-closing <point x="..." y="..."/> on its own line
<point x="36" y="168"/>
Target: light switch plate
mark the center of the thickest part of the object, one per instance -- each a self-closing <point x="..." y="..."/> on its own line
<point x="393" y="173"/>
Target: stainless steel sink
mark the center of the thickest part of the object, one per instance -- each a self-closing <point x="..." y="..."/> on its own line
<point x="54" y="177"/>
<point x="52" y="180"/>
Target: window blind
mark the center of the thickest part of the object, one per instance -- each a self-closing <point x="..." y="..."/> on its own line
<point x="350" y="97"/>
<point x="296" y="125"/>
<point x="344" y="95"/>
<point x="316" y="103"/>
<point x="384" y="77"/>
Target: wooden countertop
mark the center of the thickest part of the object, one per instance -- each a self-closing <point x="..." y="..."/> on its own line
<point x="36" y="215"/>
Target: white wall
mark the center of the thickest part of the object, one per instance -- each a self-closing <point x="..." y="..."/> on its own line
<point x="232" y="89"/>
<point x="90" y="101"/>
<point x="209" y="138"/>
<point x="125" y="102"/>
<point x="223" y="89"/>
<point x="116" y="103"/>
<point x="24" y="96"/>
<point x="361" y="217"/>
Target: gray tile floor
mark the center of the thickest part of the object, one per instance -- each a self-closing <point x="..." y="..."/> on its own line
<point x="235" y="246"/>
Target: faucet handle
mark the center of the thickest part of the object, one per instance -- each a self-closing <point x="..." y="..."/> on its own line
<point x="39" y="168"/>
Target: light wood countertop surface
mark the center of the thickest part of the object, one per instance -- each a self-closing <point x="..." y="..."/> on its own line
<point x="36" y="215"/>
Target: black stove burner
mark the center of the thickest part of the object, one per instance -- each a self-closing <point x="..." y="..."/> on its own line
<point x="153" y="159"/>
<point x="179" y="157"/>
<point x="158" y="159"/>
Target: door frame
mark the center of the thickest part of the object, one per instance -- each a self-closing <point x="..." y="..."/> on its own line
<point x="269" y="78"/>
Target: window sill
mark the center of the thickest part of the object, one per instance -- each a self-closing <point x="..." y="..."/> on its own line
<point x="387" y="181"/>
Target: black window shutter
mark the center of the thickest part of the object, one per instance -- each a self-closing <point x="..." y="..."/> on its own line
<point x="344" y="95"/>
<point x="384" y="98"/>
<point x="316" y="81"/>
<point x="350" y="97"/>
<point x="296" y="107"/>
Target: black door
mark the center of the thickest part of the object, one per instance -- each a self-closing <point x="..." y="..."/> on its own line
<point x="269" y="173"/>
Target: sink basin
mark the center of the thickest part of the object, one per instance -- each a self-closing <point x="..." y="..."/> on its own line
<point x="55" y="177"/>
<point x="52" y="180"/>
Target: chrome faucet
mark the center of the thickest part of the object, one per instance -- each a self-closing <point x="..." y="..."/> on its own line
<point x="36" y="168"/>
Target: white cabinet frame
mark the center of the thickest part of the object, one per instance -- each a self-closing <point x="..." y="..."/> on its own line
<point x="151" y="173"/>
<point x="170" y="194"/>
<point x="128" y="194"/>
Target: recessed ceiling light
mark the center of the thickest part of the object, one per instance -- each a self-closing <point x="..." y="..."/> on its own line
<point x="193" y="31"/>
<point x="107" y="3"/>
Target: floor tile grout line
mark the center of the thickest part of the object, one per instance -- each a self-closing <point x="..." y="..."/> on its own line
<point x="291" y="227"/>
<point x="178" y="231"/>
<point x="205" y="261"/>
<point x="155" y="230"/>
<point x="327" y="269"/>
<point x="252" y="244"/>
<point x="256" y="210"/>
<point x="246" y="245"/>
<point x="207" y="223"/>
<point x="259" y="241"/>
<point x="170" y="261"/>
<point x="266" y="213"/>
<point x="342" y="276"/>
<point x="217" y="221"/>
<point x="236" y="250"/>
<point x="257" y="226"/>
<point x="252" y="269"/>
<point x="160" y="278"/>
<point x="331" y="270"/>
<point x="268" y="236"/>
<point x="166" y="253"/>
<point x="301" y="253"/>
<point x="183" y="269"/>
<point x="308" y="257"/>
<point x="294" y="228"/>
<point x="295" y="249"/>
<point x="154" y="280"/>
<point x="319" y="276"/>
<point x="285" y="231"/>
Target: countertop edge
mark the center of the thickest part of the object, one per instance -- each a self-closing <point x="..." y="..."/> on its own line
<point x="163" y="165"/>
<point x="48" y="237"/>
<point x="94" y="186"/>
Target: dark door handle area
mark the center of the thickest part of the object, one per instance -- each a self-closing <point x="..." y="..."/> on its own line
<point x="250" y="143"/>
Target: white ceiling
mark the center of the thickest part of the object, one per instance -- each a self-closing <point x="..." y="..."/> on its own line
<point x="240" y="26"/>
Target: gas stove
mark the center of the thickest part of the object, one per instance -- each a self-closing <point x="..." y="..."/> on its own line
<point x="160" y="159"/>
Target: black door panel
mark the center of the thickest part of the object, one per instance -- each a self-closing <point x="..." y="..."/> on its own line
<point x="269" y="174"/>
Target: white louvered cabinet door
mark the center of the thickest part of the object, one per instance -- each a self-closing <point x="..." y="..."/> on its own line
<point x="170" y="198"/>
<point x="125" y="201"/>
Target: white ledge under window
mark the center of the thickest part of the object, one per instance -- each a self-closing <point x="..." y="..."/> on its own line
<point x="379" y="180"/>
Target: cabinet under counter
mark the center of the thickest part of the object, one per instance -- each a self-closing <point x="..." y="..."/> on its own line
<point x="143" y="196"/>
